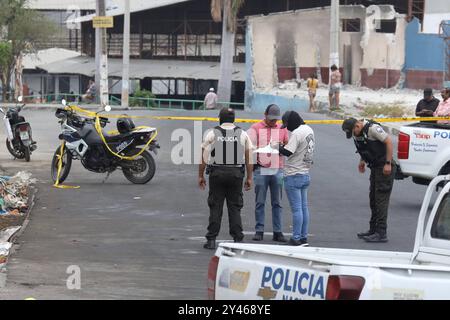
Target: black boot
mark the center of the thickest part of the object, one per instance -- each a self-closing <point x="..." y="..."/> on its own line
<point x="210" y="244"/>
<point x="376" y="237"/>
<point x="362" y="235"/>
<point x="259" y="236"/>
<point x="279" y="237"/>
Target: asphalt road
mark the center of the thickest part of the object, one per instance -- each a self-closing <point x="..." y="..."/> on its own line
<point x="145" y="242"/>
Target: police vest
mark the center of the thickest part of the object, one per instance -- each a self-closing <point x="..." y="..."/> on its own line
<point x="227" y="149"/>
<point x="373" y="152"/>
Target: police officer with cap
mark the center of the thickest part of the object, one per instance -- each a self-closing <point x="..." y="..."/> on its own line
<point x="226" y="153"/>
<point x="375" y="148"/>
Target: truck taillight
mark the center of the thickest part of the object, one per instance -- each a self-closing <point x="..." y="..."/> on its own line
<point x="403" y="146"/>
<point x="344" y="287"/>
<point x="212" y="274"/>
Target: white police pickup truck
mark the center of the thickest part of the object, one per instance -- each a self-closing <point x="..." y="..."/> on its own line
<point x="424" y="151"/>
<point x="246" y="271"/>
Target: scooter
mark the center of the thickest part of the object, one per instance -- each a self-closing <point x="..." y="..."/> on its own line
<point x="19" y="141"/>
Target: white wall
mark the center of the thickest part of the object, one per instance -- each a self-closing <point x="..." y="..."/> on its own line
<point x="435" y="12"/>
<point x="307" y="33"/>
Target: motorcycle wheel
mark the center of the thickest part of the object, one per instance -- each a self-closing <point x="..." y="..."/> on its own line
<point x="66" y="165"/>
<point x="27" y="154"/>
<point x="141" y="176"/>
<point x="15" y="153"/>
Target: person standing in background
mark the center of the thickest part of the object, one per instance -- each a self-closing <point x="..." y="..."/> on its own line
<point x="211" y="100"/>
<point x="443" y="109"/>
<point x="427" y="106"/>
<point x="335" y="87"/>
<point x="312" y="83"/>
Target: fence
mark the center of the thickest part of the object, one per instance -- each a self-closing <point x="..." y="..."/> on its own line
<point x="150" y="103"/>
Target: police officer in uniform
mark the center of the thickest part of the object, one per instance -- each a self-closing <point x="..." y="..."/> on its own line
<point x="227" y="151"/>
<point x="375" y="148"/>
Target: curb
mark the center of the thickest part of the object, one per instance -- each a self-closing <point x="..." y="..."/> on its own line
<point x="30" y="107"/>
<point x="323" y="109"/>
<point x="31" y="202"/>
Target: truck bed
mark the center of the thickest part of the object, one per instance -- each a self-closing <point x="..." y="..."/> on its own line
<point x="342" y="257"/>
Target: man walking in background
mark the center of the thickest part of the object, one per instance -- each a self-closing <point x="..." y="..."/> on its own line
<point x="211" y="100"/>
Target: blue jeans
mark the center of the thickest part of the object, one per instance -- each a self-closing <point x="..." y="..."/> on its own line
<point x="296" y="189"/>
<point x="262" y="183"/>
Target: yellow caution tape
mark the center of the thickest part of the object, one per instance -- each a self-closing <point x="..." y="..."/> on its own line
<point x="211" y="119"/>
<point x="98" y="127"/>
<point x="99" y="130"/>
<point x="60" y="156"/>
<point x="405" y="119"/>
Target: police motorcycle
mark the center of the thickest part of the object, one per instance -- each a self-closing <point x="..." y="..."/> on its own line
<point x="19" y="141"/>
<point x="82" y="141"/>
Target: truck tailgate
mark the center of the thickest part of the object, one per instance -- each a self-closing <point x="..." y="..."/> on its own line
<point x="288" y="273"/>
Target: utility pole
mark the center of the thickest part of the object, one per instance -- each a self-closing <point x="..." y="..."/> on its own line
<point x="98" y="49"/>
<point x="334" y="35"/>
<point x="101" y="58"/>
<point x="226" y="56"/>
<point x="126" y="56"/>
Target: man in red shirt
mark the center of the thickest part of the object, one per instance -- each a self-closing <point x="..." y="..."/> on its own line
<point x="267" y="171"/>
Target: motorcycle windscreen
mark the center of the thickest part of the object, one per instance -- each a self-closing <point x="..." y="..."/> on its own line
<point x="9" y="132"/>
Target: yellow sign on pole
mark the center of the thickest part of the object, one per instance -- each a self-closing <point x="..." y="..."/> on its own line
<point x="103" y="22"/>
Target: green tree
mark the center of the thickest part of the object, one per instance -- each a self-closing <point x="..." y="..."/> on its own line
<point x="6" y="63"/>
<point x="226" y="11"/>
<point x="21" y="30"/>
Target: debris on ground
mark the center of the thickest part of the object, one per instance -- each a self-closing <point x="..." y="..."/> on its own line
<point x="14" y="201"/>
<point x="355" y="99"/>
<point x="14" y="193"/>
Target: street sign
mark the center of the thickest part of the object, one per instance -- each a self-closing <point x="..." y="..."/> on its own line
<point x="103" y="22"/>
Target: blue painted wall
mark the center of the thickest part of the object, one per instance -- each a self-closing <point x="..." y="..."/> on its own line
<point x="423" y="51"/>
<point x="258" y="102"/>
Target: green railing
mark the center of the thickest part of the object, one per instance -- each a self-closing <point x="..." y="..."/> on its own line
<point x="156" y="103"/>
<point x="152" y="103"/>
<point x="49" y="98"/>
<point x="113" y="101"/>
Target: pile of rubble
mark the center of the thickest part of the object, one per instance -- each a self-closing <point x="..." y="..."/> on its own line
<point x="14" y="193"/>
<point x="353" y="99"/>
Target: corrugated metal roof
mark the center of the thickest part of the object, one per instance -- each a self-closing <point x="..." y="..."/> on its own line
<point x="135" y="6"/>
<point x="140" y="68"/>
<point x="61" y="5"/>
<point x="32" y="60"/>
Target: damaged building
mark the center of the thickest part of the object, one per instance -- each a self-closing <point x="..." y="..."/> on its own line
<point x="375" y="46"/>
<point x="296" y="44"/>
<point x="175" y="46"/>
<point x="379" y="47"/>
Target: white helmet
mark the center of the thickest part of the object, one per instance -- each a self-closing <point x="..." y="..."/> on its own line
<point x="211" y="89"/>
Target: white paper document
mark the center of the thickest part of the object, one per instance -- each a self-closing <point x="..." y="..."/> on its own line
<point x="266" y="149"/>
